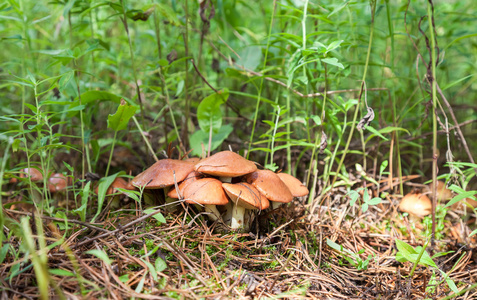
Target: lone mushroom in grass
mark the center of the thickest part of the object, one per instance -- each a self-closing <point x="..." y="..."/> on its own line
<point x="271" y="186"/>
<point x="57" y="182"/>
<point x="208" y="192"/>
<point x="244" y="196"/>
<point x="416" y="204"/>
<point x="225" y="165"/>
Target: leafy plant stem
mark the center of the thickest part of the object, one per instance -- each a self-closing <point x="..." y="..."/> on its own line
<point x="418" y="259"/>
<point x="257" y="105"/>
<point x="274" y="133"/>
<point x="84" y="150"/>
<point x="133" y="61"/>
<point x="355" y="116"/>
<point x="185" y="124"/>
<point x="166" y="94"/>
<point x="434" y="118"/>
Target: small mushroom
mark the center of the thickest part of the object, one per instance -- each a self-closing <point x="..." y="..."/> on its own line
<point x="271" y="186"/>
<point x="416" y="204"/>
<point x="208" y="192"/>
<point x="57" y="182"/>
<point x="244" y="196"/>
<point x="33" y="173"/>
<point x="226" y="164"/>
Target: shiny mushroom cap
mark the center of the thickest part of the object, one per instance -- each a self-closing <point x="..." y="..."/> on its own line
<point x="192" y="160"/>
<point x="226" y="164"/>
<point x="416" y="204"/>
<point x="193" y="176"/>
<point x="270" y="185"/>
<point x="206" y="191"/>
<point x="245" y="195"/>
<point x="443" y="193"/>
<point x="161" y="174"/>
<point x="295" y="186"/>
<point x="57" y="182"/>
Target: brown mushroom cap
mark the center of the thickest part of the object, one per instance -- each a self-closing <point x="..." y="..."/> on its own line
<point x="416" y="204"/>
<point x="192" y="160"/>
<point x="226" y="164"/>
<point x="193" y="176"/>
<point x="270" y="185"/>
<point x="295" y="186"/>
<point x="161" y="174"/>
<point x="244" y="194"/>
<point x="207" y="191"/>
<point x="57" y="182"/>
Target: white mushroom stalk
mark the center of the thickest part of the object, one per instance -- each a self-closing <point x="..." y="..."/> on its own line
<point x="244" y="197"/>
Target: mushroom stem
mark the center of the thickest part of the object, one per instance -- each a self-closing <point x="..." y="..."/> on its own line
<point x="275" y="205"/>
<point x="238" y="213"/>
<point x="214" y="214"/>
<point x="225" y="179"/>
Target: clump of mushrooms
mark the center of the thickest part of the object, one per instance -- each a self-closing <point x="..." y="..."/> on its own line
<point x="224" y="178"/>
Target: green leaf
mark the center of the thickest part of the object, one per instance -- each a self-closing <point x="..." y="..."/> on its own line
<point x="459" y="197"/>
<point x="101" y="255"/>
<point x="61" y="272"/>
<point x="208" y="111"/>
<point x="333" y="61"/>
<point x="103" y="186"/>
<point x="374" y="201"/>
<point x="159" y="217"/>
<point x="151" y="268"/>
<point x="160" y="265"/>
<point x="120" y="119"/>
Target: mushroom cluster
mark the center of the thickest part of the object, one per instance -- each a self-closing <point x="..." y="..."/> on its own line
<point x="224" y="179"/>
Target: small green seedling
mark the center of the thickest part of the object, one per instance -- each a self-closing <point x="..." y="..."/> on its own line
<point x="352" y="258"/>
<point x="354" y="195"/>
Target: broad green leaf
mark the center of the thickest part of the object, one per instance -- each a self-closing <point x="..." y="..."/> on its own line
<point x="120" y="119"/>
<point x="208" y="111"/>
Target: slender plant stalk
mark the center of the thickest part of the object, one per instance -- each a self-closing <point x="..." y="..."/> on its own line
<point x="185" y="124"/>
<point x="257" y="105"/>
<point x="434" y="118"/>
<point x="146" y="141"/>
<point x="355" y="116"/>
<point x="133" y="62"/>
